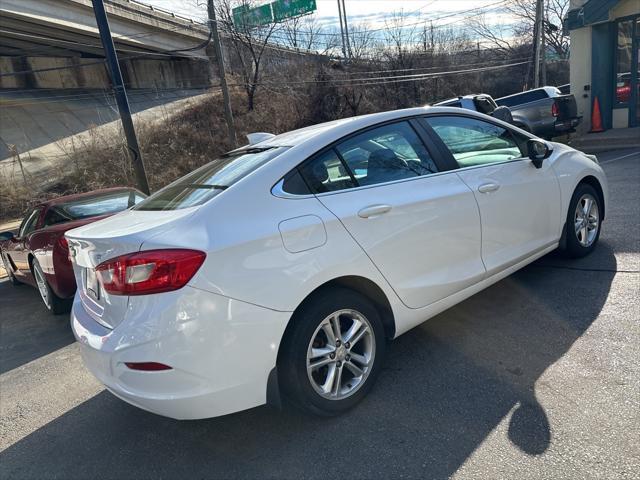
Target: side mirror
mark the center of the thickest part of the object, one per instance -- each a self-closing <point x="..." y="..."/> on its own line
<point x="538" y="150"/>
<point x="6" y="236"/>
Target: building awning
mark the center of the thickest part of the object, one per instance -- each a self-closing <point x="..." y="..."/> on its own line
<point x="594" y="11"/>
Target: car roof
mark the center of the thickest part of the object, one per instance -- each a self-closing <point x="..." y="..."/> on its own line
<point x="79" y="196"/>
<point x="345" y="126"/>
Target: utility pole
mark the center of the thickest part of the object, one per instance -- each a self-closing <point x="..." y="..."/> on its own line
<point x="346" y="29"/>
<point x="543" y="48"/>
<point x="217" y="57"/>
<point x="536" y="44"/>
<point x="121" y="95"/>
<point x="344" y="45"/>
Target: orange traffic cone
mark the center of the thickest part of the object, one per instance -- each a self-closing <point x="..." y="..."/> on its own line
<point x="596" y="118"/>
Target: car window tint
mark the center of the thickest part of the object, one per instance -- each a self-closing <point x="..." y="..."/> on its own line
<point x="326" y="173"/>
<point x="475" y="142"/>
<point x="29" y="223"/>
<point x="387" y="153"/>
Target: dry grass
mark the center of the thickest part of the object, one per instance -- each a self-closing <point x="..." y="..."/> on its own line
<point x="171" y="145"/>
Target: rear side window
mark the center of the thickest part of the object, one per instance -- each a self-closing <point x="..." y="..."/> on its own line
<point x="203" y="184"/>
<point x="92" y="206"/>
<point x="475" y="142"/>
<point x="327" y="173"/>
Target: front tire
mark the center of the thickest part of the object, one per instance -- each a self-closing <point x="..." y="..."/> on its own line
<point x="54" y="304"/>
<point x="582" y="227"/>
<point x="333" y="354"/>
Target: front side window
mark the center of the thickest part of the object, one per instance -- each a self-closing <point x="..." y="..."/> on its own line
<point x="206" y="182"/>
<point x="475" y="142"/>
<point x="29" y="223"/>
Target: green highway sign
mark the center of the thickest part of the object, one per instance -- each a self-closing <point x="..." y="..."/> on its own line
<point x="283" y="9"/>
<point x="274" y="12"/>
<point x="252" y="17"/>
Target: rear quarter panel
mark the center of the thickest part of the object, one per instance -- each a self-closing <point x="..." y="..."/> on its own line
<point x="45" y="246"/>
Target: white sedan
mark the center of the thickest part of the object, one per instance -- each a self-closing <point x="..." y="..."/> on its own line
<point x="284" y="268"/>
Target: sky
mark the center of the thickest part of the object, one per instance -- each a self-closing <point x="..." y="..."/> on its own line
<point x="372" y="12"/>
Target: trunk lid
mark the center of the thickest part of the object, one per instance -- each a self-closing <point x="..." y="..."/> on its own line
<point x="92" y="244"/>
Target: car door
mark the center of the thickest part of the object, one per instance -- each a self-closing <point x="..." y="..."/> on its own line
<point x="419" y="224"/>
<point x="19" y="248"/>
<point x="519" y="203"/>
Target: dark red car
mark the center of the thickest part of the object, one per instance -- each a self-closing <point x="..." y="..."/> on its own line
<point x="38" y="255"/>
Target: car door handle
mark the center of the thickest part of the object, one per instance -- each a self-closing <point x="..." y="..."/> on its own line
<point x="373" y="211"/>
<point x="488" y="187"/>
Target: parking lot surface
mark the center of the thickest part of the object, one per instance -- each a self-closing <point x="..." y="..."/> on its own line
<point x="536" y="377"/>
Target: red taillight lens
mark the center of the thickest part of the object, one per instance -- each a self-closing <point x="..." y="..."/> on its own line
<point x="554" y="110"/>
<point x="147" y="366"/>
<point x="63" y="245"/>
<point x="152" y="271"/>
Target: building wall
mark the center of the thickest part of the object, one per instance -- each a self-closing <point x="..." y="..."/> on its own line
<point x="580" y="74"/>
<point x="137" y="73"/>
<point x="591" y="63"/>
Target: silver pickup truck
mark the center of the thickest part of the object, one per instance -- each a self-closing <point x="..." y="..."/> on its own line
<point x="545" y="111"/>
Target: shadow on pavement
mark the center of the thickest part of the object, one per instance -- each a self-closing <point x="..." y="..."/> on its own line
<point x="29" y="330"/>
<point x="445" y="386"/>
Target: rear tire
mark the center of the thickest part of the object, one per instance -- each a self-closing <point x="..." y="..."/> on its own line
<point x="324" y="372"/>
<point x="583" y="224"/>
<point x="54" y="303"/>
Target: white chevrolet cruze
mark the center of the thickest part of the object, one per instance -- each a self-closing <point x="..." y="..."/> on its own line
<point x="284" y="268"/>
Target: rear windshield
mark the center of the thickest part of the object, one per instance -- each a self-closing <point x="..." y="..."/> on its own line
<point x="203" y="184"/>
<point x="93" y="206"/>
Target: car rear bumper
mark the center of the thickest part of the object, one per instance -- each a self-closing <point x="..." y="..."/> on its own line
<point x="567" y="125"/>
<point x="221" y="352"/>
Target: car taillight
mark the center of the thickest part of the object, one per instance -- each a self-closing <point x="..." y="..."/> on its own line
<point x="554" y="110"/>
<point x="151" y="271"/>
<point x="63" y="245"/>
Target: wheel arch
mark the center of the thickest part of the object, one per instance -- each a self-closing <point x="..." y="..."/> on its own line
<point x="595" y="183"/>
<point x="362" y="285"/>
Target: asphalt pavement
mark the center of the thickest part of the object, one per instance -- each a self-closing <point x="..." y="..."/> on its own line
<point x="536" y="377"/>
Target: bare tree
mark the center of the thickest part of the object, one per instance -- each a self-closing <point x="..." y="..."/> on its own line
<point x="509" y="38"/>
<point x="249" y="42"/>
<point x="303" y="32"/>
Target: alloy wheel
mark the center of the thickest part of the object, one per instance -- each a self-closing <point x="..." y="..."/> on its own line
<point x="341" y="354"/>
<point x="586" y="220"/>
